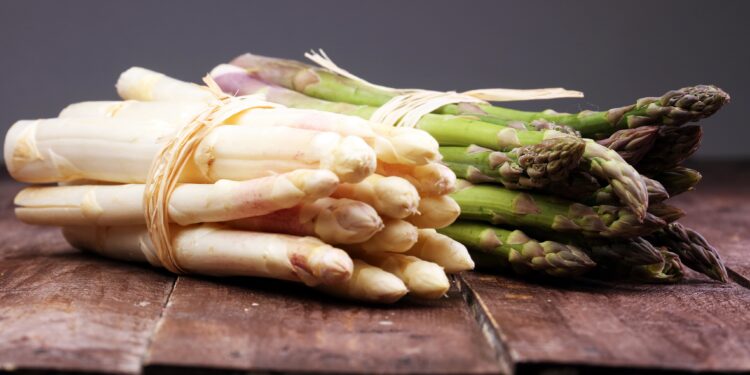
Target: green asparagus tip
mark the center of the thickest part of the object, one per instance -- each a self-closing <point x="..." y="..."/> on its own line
<point x="693" y="250"/>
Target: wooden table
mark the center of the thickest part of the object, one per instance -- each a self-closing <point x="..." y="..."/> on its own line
<point x="64" y="310"/>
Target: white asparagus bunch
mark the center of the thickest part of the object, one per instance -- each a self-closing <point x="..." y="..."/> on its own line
<point x="271" y="192"/>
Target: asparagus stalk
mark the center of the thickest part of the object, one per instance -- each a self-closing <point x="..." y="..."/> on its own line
<point x="443" y="250"/>
<point x="392" y="196"/>
<point x="460" y="131"/>
<point x="59" y="150"/>
<point x="224" y="200"/>
<point x="527" y="167"/>
<point x="493" y="247"/>
<point x="675" y="107"/>
<point x="678" y="180"/>
<point x="429" y="179"/>
<point x="502" y="206"/>
<point x="692" y="249"/>
<point x="335" y="221"/>
<point x="656" y="194"/>
<point x="368" y="283"/>
<point x="435" y="212"/>
<point x="666" y="212"/>
<point x="673" y="146"/>
<point x="397" y="236"/>
<point x="211" y="249"/>
<point x="632" y="144"/>
<point x="423" y="279"/>
<point x="637" y="259"/>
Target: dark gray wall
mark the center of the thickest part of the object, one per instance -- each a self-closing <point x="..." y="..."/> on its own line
<point x="53" y="53"/>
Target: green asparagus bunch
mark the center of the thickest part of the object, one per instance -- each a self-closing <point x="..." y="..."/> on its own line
<point x="591" y="186"/>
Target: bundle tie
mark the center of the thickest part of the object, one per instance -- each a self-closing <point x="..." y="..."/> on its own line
<point x="409" y="105"/>
<point x="171" y="160"/>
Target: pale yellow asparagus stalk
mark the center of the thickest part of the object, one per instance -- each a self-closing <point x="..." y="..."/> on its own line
<point x="443" y="250"/>
<point x="178" y="113"/>
<point x="396" y="236"/>
<point x="369" y="283"/>
<point x="211" y="249"/>
<point x="142" y="84"/>
<point x="409" y="146"/>
<point x="435" y="212"/>
<point x="392" y="197"/>
<point x="423" y="279"/>
<point x="58" y="150"/>
<point x="335" y="221"/>
<point x="189" y="204"/>
<point x="429" y="179"/>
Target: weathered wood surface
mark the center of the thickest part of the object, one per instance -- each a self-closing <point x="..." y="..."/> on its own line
<point x="63" y="310"/>
<point x="271" y="325"/>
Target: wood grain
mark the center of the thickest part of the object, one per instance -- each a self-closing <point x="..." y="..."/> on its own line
<point x="63" y="310"/>
<point x="254" y="324"/>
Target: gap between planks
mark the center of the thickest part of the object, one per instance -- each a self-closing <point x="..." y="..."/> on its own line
<point x="159" y="322"/>
<point x="487" y="325"/>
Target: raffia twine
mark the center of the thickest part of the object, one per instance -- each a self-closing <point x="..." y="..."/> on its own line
<point x="409" y="105"/>
<point x="173" y="157"/>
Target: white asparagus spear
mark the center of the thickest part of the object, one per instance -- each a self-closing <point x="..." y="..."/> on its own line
<point x="423" y="279"/>
<point x="335" y="221"/>
<point x="393" y="197"/>
<point x="190" y="203"/>
<point x="443" y="250"/>
<point x="396" y="236"/>
<point x="178" y="113"/>
<point x="57" y="150"/>
<point x="368" y="283"/>
<point x="435" y="212"/>
<point x="211" y="249"/>
<point x="142" y="84"/>
<point x="429" y="179"/>
<point x="410" y="146"/>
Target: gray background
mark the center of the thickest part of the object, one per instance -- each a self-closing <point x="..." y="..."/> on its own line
<point x="53" y="53"/>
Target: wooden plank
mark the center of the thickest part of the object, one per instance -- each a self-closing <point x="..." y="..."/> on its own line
<point x="265" y="325"/>
<point x="63" y="310"/>
<point x="696" y="325"/>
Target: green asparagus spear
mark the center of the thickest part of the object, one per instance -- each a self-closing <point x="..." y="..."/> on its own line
<point x="656" y="194"/>
<point x="678" y="180"/>
<point x="636" y="259"/>
<point x="666" y="212"/>
<point x="673" y="146"/>
<point x="676" y="107"/>
<point x="669" y="270"/>
<point x="543" y="213"/>
<point x="526" y="167"/>
<point x="493" y="247"/>
<point x="693" y="249"/>
<point x="632" y="144"/>
<point x="598" y="160"/>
